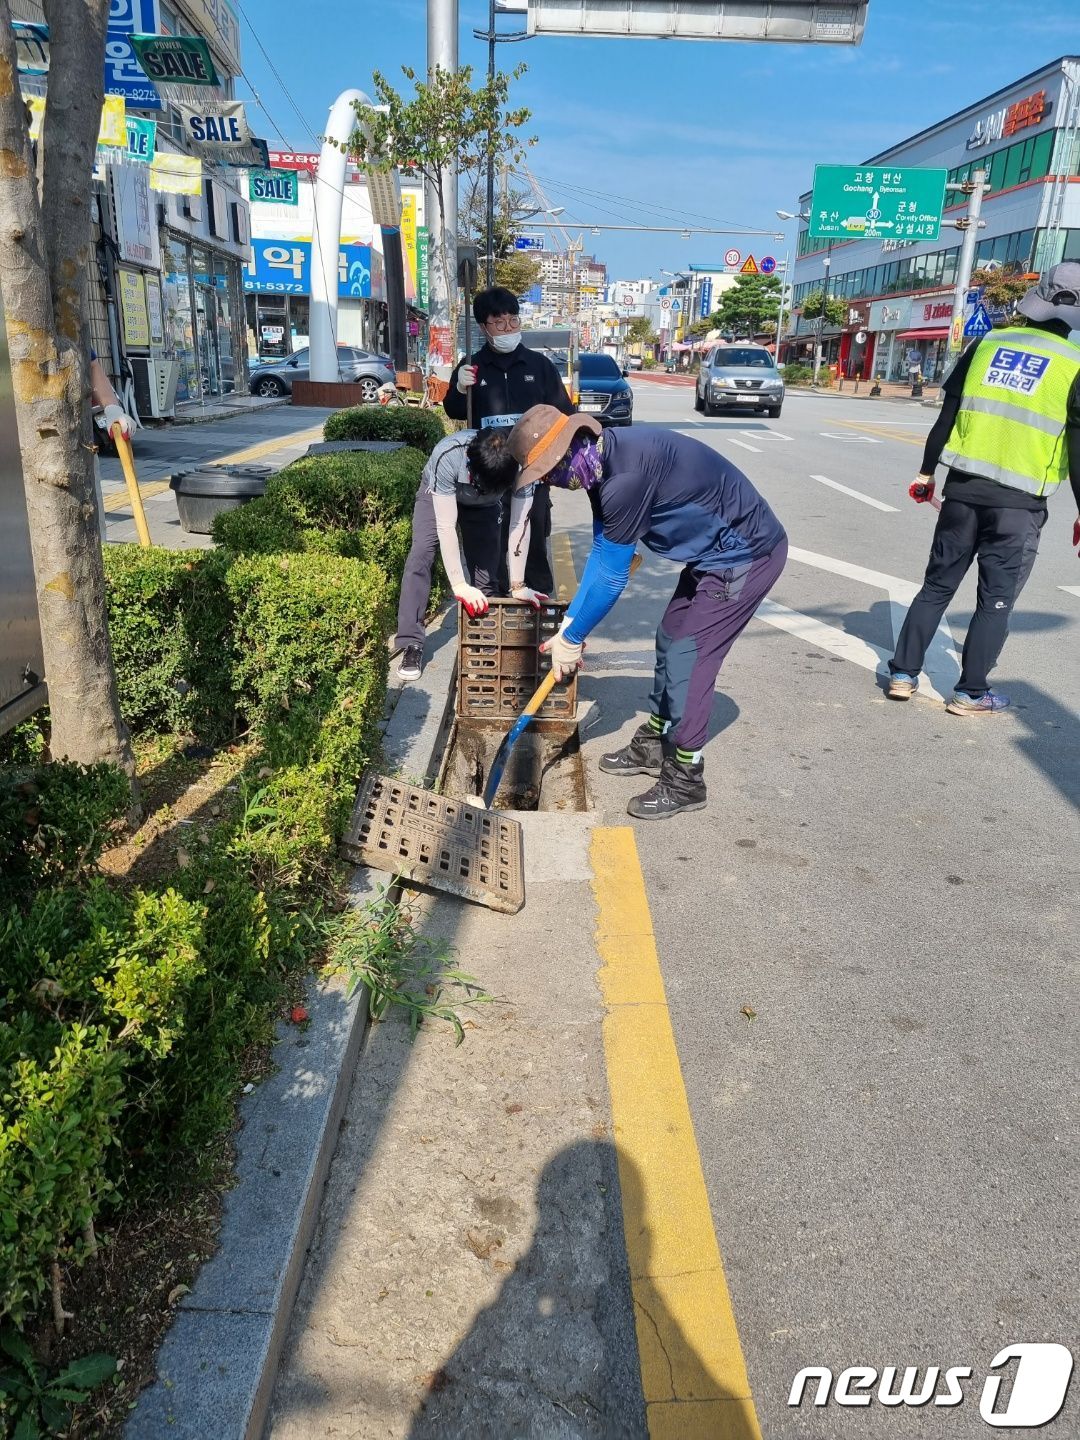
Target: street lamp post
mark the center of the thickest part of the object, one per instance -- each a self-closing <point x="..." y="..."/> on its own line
<point x="818" y="352"/>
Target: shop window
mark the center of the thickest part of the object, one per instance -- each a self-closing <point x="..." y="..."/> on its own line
<point x="1072" y="245"/>
<point x="948" y="271"/>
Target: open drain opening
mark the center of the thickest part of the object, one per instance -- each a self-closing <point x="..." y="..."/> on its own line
<point x="544" y="772"/>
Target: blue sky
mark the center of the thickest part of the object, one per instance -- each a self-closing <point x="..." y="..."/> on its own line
<point x="724" y="131"/>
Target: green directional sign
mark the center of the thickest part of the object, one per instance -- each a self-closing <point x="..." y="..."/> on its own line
<point x="869" y="202"/>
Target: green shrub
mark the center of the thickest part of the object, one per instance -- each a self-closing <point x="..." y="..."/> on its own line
<point x="169" y="626"/>
<point x="420" y="428"/>
<point x="55" y="820"/>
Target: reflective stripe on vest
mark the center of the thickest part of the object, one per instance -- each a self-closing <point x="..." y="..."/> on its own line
<point x="1011" y="423"/>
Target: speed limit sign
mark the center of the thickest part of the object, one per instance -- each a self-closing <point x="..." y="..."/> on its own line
<point x="733" y="258"/>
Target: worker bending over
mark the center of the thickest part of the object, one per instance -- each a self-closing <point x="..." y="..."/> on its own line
<point x="683" y="501"/>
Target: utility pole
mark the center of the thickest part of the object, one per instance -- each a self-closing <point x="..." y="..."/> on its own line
<point x="442" y="46"/>
<point x="969" y="225"/>
<point x="819" y="348"/>
<point x="780" y="312"/>
<point x="489" y="237"/>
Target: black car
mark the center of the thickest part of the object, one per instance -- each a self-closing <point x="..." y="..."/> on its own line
<point x="603" y="390"/>
<point x="360" y="367"/>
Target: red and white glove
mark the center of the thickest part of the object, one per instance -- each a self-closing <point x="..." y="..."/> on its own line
<point x="474" y="600"/>
<point x="466" y="376"/>
<point x="114" y="415"/>
<point x="565" y="655"/>
<point x="922" y="490"/>
<point x="535" y="598"/>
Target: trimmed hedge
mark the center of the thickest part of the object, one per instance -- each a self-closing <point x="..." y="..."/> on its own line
<point x="422" y="429"/>
<point x="127" y="1013"/>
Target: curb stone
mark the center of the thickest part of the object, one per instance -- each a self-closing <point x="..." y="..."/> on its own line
<point x="218" y="1363"/>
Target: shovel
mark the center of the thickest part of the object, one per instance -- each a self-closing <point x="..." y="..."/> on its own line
<point x="513" y="735"/>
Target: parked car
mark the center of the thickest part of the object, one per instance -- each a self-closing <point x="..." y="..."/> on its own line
<point x="358" y="367"/>
<point x="633" y="362"/>
<point x="603" y="390"/>
<point x="739" y="377"/>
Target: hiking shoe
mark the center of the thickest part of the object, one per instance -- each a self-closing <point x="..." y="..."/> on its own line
<point x="412" y="663"/>
<point x="643" y="756"/>
<point x="680" y="787"/>
<point x="901" y="686"/>
<point x="988" y="704"/>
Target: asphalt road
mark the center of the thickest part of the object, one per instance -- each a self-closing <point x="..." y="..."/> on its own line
<point x="889" y="1145"/>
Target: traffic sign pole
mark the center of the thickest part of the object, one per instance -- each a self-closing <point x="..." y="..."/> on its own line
<point x="975" y="188"/>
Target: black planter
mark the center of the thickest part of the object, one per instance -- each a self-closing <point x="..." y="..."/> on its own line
<point x="202" y="494"/>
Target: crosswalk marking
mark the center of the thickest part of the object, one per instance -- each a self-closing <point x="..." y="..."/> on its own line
<point x="1071" y="590"/>
<point x="856" y="439"/>
<point x="760" y="434"/>
<point x="731" y="440"/>
<point x="855" y="494"/>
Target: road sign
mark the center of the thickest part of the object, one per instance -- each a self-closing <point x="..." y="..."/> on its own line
<point x="706" y="297"/>
<point x="868" y="203"/>
<point x="749" y="266"/>
<point x="665" y="303"/>
<point x="974" y="296"/>
<point x="768" y="265"/>
<point x="733" y="259"/>
<point x="676" y="306"/>
<point x="528" y="242"/>
<point x="980" y="323"/>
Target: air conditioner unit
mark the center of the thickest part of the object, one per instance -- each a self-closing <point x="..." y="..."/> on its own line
<point x="155" y="386"/>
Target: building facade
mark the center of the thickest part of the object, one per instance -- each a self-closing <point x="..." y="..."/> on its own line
<point x="898" y="292"/>
<point x="277" y="279"/>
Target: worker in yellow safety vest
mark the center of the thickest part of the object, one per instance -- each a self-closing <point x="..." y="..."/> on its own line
<point x="1009" y="430"/>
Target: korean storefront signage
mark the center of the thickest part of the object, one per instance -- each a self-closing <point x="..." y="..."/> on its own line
<point x="283" y="267"/>
<point x="136" y="223"/>
<point x="423" y="262"/>
<point x="408" y="239"/>
<point x="216" y="19"/>
<point x="274" y="187"/>
<point x="175" y="60"/>
<point x="219" y="130"/>
<point x="123" y="73"/>
<point x="1020" y="115"/>
<point x="858" y="316"/>
<point x="868" y="203"/>
<point x="890" y="314"/>
<point x="136" y="320"/>
<point x="154" y="310"/>
<point x="930" y="314"/>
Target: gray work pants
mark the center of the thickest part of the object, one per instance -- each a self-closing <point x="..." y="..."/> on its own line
<point x="480" y="540"/>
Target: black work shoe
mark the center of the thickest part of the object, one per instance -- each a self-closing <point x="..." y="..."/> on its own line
<point x="680" y="787"/>
<point x="643" y="756"/>
<point x="411" y="664"/>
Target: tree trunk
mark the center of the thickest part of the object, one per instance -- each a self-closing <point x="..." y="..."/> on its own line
<point x="44" y="251"/>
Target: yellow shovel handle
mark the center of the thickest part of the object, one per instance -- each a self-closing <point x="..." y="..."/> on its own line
<point x="123" y="449"/>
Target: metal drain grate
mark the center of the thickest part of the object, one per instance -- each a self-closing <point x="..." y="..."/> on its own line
<point x="435" y="841"/>
<point x="500" y="666"/>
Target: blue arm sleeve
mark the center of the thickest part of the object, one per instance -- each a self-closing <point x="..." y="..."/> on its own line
<point x="606" y="573"/>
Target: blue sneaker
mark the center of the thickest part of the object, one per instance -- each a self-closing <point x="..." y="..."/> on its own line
<point x="901" y="686"/>
<point x="988" y="704"/>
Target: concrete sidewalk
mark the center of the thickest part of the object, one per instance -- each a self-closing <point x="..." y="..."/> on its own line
<point x="271" y="435"/>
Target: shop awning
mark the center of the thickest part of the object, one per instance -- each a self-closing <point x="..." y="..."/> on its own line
<point x="942" y="334"/>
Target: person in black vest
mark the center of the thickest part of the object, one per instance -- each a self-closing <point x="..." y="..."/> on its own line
<point x="506" y="379"/>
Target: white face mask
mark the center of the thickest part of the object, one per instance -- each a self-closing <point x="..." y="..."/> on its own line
<point x="505" y="343"/>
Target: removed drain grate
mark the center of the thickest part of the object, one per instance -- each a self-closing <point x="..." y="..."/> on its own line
<point x="500" y="666"/>
<point x="439" y="842"/>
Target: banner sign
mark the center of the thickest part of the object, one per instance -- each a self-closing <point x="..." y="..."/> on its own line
<point x="408" y="239"/>
<point x="136" y="220"/>
<point x="123" y="73"/>
<point x="176" y="174"/>
<point x="31" y="47"/>
<point x="112" y="131"/>
<point x="423" y="252"/>
<point x="219" y="130"/>
<point x="283" y="267"/>
<point x="141" y="140"/>
<point x="131" y="288"/>
<point x="274" y="187"/>
<point x="175" y="60"/>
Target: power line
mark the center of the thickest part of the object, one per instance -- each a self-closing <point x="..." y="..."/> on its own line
<point x="587" y="192"/>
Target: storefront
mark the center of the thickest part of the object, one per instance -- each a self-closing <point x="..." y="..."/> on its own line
<point x="926" y="340"/>
<point x="277" y="289"/>
<point x="888" y="318"/>
<point x="856" y="343"/>
<point x="205" y="243"/>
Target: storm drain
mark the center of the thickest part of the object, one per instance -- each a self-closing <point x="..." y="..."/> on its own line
<point x="500" y="666"/>
<point x="437" y="841"/>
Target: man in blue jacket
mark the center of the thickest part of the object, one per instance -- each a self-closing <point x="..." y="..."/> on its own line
<point x="683" y="501"/>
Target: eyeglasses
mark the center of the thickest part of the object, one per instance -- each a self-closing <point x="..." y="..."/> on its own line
<point x="503" y="324"/>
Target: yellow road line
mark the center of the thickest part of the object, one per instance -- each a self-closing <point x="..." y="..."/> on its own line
<point x="883" y="430"/>
<point x="562" y="560"/>
<point x="692" y="1369"/>
<point x="121" y="500"/>
<point x="268" y="447"/>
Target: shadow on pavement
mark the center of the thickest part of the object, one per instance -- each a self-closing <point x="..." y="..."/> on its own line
<point x="1052" y="742"/>
<point x="614" y="701"/>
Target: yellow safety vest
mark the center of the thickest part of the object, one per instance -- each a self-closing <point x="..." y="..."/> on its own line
<point x="1011" y="423"/>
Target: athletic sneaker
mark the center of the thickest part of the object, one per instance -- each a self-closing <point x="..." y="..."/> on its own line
<point x="901" y="686"/>
<point x="412" y="663"/>
<point x="680" y="787"/>
<point x="988" y="704"/>
<point x="643" y="756"/>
